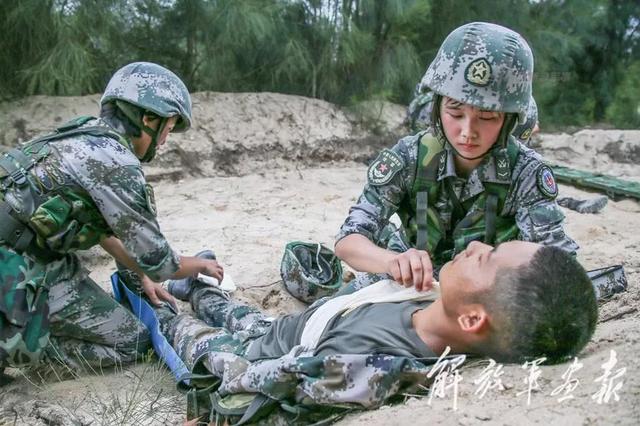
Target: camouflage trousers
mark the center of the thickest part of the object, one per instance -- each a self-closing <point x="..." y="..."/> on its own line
<point x="87" y="326"/>
<point x="222" y="325"/>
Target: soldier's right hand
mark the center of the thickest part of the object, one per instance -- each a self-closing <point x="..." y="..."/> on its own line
<point x="412" y="268"/>
<point x="212" y="268"/>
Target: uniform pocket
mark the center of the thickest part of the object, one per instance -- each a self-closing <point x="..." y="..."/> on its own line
<point x="50" y="216"/>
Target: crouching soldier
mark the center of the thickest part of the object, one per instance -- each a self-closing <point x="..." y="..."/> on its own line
<point x="465" y="179"/>
<point x="81" y="186"/>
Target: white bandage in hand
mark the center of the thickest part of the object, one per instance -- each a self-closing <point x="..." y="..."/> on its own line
<point x="226" y="285"/>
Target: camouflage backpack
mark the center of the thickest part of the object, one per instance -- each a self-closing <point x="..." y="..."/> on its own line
<point x="45" y="219"/>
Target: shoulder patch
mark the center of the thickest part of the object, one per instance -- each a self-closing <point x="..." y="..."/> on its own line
<point x="547" y="182"/>
<point x="384" y="168"/>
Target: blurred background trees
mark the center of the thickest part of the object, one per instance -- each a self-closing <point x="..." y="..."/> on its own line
<point x="587" y="52"/>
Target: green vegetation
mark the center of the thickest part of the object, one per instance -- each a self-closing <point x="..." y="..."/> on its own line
<point x="587" y="51"/>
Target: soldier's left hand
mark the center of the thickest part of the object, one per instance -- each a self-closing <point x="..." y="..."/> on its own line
<point x="157" y="294"/>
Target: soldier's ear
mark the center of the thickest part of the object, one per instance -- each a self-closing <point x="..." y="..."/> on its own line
<point x="474" y="319"/>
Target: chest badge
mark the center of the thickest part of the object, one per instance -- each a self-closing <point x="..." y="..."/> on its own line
<point x="502" y="168"/>
<point x="442" y="163"/>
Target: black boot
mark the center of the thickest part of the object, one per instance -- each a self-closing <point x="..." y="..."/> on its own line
<point x="594" y="205"/>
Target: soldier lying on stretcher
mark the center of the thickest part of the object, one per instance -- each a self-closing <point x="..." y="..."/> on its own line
<point x="515" y="302"/>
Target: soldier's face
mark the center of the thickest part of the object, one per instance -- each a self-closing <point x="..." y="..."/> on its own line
<point x="142" y="143"/>
<point x="470" y="130"/>
<point x="474" y="270"/>
<point x="168" y="128"/>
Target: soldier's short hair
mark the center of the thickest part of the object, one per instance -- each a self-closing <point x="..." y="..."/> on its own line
<point x="546" y="308"/>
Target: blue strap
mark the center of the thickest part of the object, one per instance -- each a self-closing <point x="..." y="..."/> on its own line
<point x="147" y="315"/>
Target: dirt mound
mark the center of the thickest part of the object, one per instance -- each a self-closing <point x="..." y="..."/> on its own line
<point x="612" y="152"/>
<point x="239" y="133"/>
<point x="236" y="133"/>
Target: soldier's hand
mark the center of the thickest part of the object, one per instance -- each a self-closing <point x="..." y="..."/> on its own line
<point x="213" y="269"/>
<point x="156" y="293"/>
<point x="412" y="268"/>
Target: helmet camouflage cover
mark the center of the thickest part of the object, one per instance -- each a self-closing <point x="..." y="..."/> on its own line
<point x="310" y="271"/>
<point x="152" y="88"/>
<point x="484" y="65"/>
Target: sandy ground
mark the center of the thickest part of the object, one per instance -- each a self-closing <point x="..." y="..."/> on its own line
<point x="266" y="196"/>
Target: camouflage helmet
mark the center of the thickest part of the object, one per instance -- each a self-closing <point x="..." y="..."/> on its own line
<point x="153" y="88"/>
<point x="484" y="65"/>
<point x="420" y="110"/>
<point x="310" y="271"/>
<point x="524" y="131"/>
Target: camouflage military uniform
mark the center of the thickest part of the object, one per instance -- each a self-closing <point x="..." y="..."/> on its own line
<point x="67" y="192"/>
<point x="488" y="67"/>
<point x="221" y="324"/>
<point x="86" y="321"/>
<point x="537" y="216"/>
<point x="214" y="349"/>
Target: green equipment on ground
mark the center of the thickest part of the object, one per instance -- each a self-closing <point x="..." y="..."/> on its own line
<point x="612" y="186"/>
<point x="310" y="271"/>
<point x="608" y="280"/>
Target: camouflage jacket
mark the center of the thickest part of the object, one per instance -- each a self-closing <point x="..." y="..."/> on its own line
<point x="90" y="186"/>
<point x="299" y="388"/>
<point x="530" y="200"/>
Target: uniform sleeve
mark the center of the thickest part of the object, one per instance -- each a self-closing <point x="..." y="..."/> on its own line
<point x="389" y="179"/>
<point x="538" y="216"/>
<point x="129" y="209"/>
<point x="114" y="180"/>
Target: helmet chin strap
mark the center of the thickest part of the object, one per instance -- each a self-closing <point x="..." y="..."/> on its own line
<point x="133" y="113"/>
<point x="151" y="151"/>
